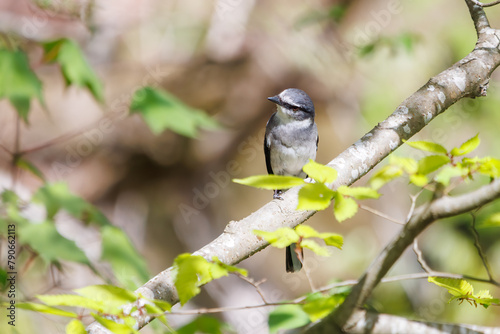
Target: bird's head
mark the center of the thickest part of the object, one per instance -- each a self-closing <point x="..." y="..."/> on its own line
<point x="294" y="103"/>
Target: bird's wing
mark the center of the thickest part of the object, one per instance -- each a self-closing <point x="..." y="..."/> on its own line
<point x="267" y="153"/>
<point x="267" y="144"/>
<point x="317" y="142"/>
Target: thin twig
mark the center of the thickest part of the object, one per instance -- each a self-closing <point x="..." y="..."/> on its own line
<point x="300" y="300"/>
<point x="5" y="149"/>
<point x="405" y="277"/>
<point x="480" y="251"/>
<point x="420" y="257"/>
<point x="227" y="309"/>
<point x="436" y="274"/>
<point x="490" y="4"/>
<point x="256" y="285"/>
<point x="306" y="270"/>
<point x="65" y="137"/>
<point x="309" y="279"/>
<point x="7" y="41"/>
<point x="413" y="199"/>
<point x="380" y="214"/>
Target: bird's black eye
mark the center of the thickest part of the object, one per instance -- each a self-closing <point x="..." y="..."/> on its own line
<point x="295" y="108"/>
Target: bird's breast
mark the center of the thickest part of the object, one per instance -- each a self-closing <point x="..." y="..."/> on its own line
<point x="291" y="147"/>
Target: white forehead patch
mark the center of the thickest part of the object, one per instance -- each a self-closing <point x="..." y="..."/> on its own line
<point x="286" y="98"/>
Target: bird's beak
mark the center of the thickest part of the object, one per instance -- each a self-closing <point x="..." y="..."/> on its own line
<point x="274" y="99"/>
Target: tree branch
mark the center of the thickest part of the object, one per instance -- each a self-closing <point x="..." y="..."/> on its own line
<point x="467" y="78"/>
<point x="478" y="16"/>
<point x="375" y="323"/>
<point x="479" y="249"/>
<point x="346" y="316"/>
<point x="490" y="4"/>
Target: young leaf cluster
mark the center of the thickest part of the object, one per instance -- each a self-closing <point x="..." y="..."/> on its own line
<point x="193" y="271"/>
<point x="44" y="240"/>
<point x="317" y="195"/>
<point x="303" y="236"/>
<point x="315" y="306"/>
<point x="441" y="167"/>
<point x="20" y="85"/>
<point x="116" y="308"/>
<point x="111" y="306"/>
<point x="462" y="290"/>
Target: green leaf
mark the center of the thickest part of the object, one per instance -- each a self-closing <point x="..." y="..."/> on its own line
<point x="319" y="172"/>
<point x="490" y="166"/>
<point x="45" y="309"/>
<point x="163" y="306"/>
<point x="407" y="40"/>
<point x="161" y="111"/>
<point x="49" y="244"/>
<point x="409" y="165"/>
<point x="334" y="240"/>
<point x="491" y="221"/>
<point x="463" y="290"/>
<point x="128" y="265"/>
<point x="193" y="271"/>
<point x="287" y="317"/>
<point x="431" y="163"/>
<point x="319" y="306"/>
<point x="203" y="324"/>
<point x="113" y="326"/>
<point x="367" y="49"/>
<point x="3" y="276"/>
<point x="427" y="146"/>
<point x="73" y="300"/>
<point x="344" y="208"/>
<point x="75" y="327"/>
<point x="28" y="166"/>
<point x="455" y="286"/>
<point x="9" y="197"/>
<point x="155" y="311"/>
<point x="306" y="231"/>
<point x="315" y="247"/>
<point x="281" y="238"/>
<point x="315" y="196"/>
<point x="229" y="268"/>
<point x="331" y="239"/>
<point x="419" y="180"/>
<point x="74" y="66"/>
<point x="271" y="182"/>
<point x="385" y="175"/>
<point x="286" y="236"/>
<point x="337" y="12"/>
<point x="467" y="147"/>
<point x="447" y="173"/>
<point x="57" y="196"/>
<point x="19" y="83"/>
<point x="109" y="294"/>
<point x="358" y="192"/>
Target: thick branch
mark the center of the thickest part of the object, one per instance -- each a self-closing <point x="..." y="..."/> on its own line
<point x="478" y="16"/>
<point x="375" y="323"/>
<point x="345" y="316"/>
<point x="467" y="78"/>
<point x="489" y="4"/>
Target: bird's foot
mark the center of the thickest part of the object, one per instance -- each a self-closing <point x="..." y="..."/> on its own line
<point x="277" y="194"/>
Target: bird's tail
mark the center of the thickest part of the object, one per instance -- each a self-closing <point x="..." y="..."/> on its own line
<point x="293" y="263"/>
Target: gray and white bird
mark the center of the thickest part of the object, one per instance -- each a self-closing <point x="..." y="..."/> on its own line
<point x="291" y="140"/>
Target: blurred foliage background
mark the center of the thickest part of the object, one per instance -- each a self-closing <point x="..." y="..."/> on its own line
<point x="171" y="193"/>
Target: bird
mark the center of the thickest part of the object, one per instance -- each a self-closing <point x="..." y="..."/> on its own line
<point x="291" y="139"/>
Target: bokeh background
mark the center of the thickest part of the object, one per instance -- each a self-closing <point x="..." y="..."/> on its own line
<point x="358" y="60"/>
